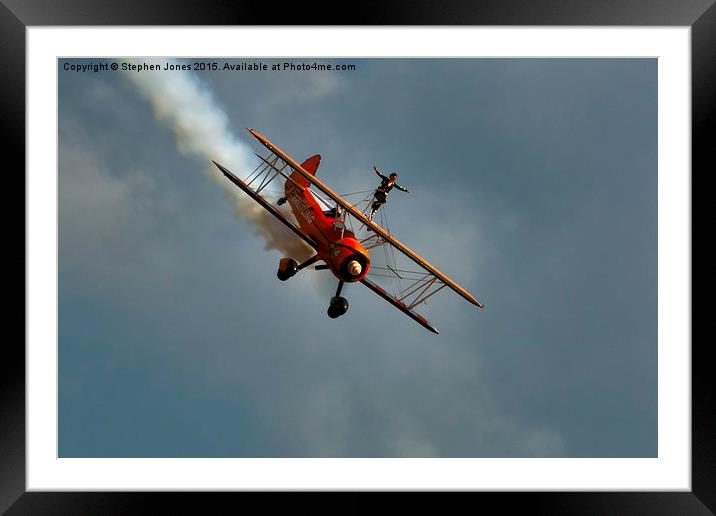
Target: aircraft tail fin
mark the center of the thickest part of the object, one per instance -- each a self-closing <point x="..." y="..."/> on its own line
<point x="310" y="166"/>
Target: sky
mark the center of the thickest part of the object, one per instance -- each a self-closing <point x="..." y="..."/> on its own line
<point x="533" y="184"/>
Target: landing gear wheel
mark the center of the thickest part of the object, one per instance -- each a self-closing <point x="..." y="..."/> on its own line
<point x="287" y="268"/>
<point x="338" y="306"/>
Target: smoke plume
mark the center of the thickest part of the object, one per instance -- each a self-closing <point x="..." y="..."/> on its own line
<point x="201" y="127"/>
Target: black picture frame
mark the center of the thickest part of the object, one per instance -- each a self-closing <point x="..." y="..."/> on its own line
<point x="17" y="15"/>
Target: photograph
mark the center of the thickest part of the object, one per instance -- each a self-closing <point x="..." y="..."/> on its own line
<point x="357" y="257"/>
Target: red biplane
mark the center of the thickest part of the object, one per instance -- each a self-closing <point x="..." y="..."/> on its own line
<point x="331" y="233"/>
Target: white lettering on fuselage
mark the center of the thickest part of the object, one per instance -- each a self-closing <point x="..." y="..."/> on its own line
<point x="304" y="210"/>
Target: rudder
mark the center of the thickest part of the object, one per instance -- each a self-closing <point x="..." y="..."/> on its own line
<point x="310" y="166"/>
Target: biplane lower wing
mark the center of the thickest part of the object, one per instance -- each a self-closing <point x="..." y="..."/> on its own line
<point x="365" y="221"/>
<point x="264" y="203"/>
<point x="399" y="305"/>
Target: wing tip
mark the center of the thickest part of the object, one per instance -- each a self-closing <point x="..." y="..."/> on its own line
<point x="474" y="301"/>
<point x="221" y="168"/>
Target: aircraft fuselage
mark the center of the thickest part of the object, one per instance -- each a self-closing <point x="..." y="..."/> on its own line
<point x="337" y="246"/>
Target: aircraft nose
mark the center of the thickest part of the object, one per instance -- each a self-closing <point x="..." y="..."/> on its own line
<point x="354" y="268"/>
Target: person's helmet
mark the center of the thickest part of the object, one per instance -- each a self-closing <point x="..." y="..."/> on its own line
<point x="393" y="174"/>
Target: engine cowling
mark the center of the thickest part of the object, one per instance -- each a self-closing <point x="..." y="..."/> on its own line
<point x="349" y="260"/>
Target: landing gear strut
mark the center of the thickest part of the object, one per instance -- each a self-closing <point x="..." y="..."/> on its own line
<point x="288" y="267"/>
<point x="339" y="305"/>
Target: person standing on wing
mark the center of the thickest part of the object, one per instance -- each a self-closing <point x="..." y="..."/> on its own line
<point x="381" y="193"/>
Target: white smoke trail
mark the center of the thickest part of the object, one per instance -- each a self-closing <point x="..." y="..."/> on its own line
<point x="184" y="103"/>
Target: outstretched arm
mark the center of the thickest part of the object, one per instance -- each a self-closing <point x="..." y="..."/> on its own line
<point x="379" y="174"/>
<point x="396" y="185"/>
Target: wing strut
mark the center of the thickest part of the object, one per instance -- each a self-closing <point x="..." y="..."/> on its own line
<point x="399" y="305"/>
<point x="259" y="199"/>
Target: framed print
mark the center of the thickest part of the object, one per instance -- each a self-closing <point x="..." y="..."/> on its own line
<point x="541" y="173"/>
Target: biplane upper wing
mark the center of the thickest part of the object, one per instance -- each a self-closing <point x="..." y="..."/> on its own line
<point x="263" y="202"/>
<point x="372" y="225"/>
